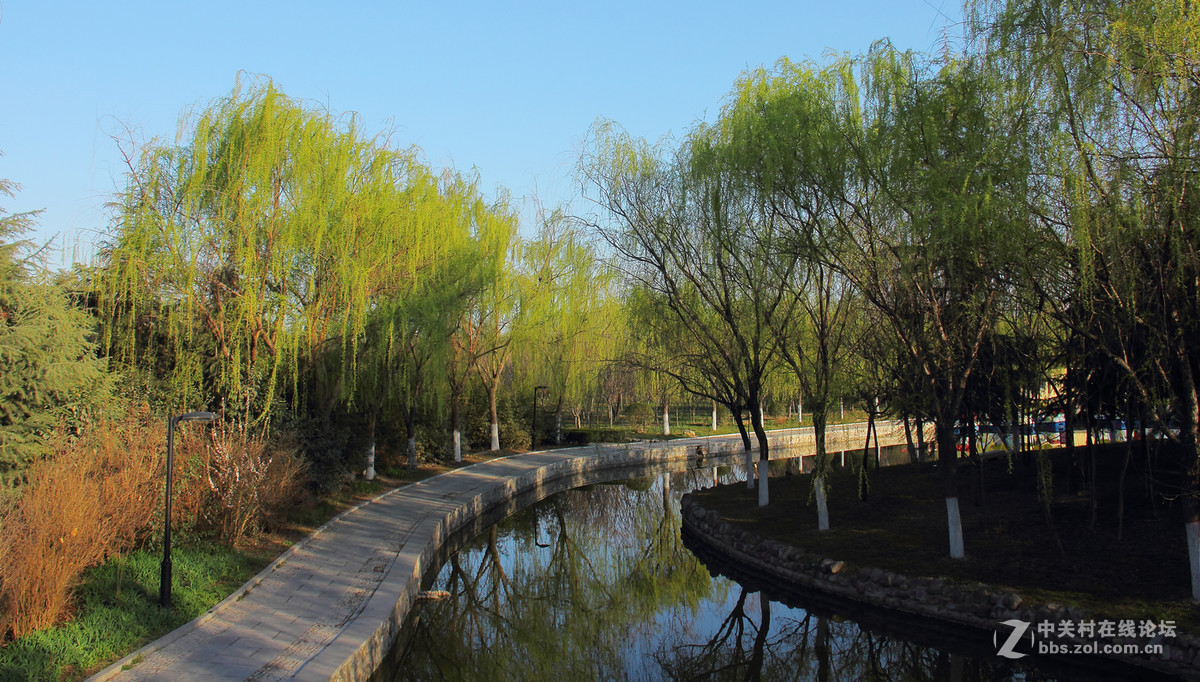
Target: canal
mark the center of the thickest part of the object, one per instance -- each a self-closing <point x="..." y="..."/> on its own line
<point x="596" y="583"/>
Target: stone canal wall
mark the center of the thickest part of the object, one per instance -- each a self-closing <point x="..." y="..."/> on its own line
<point x="974" y="606"/>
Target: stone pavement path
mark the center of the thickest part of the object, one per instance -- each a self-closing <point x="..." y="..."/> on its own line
<point x="300" y="606"/>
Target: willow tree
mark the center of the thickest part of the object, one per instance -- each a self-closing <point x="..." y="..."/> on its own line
<point x="932" y="207"/>
<point x="779" y="134"/>
<point x="905" y="182"/>
<point x="499" y="317"/>
<point x="573" y="315"/>
<point x="688" y="232"/>
<point x="1115" y="87"/>
<point x="492" y="226"/>
<point x="406" y="345"/>
<point x="243" y="254"/>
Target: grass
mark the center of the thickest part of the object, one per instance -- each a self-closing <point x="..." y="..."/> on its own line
<point x="1009" y="542"/>
<point x="116" y="610"/>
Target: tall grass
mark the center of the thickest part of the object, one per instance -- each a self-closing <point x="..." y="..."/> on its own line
<point x="90" y="499"/>
<point x="98" y="495"/>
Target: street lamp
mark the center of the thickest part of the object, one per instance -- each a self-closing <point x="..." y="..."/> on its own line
<point x="533" y="427"/>
<point x="164" y="580"/>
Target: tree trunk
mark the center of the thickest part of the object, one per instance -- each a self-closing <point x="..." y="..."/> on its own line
<point x="820" y="470"/>
<point x="1189" y="432"/>
<point x="874" y="427"/>
<point x="863" y="492"/>
<point x="493" y="388"/>
<point x="714" y="417"/>
<point x="1124" y="470"/>
<point x="822" y="503"/>
<point x="756" y="420"/>
<point x="558" y="411"/>
<point x="1092" y="469"/>
<point x="947" y="459"/>
<point x="456" y="428"/>
<point x="908" y="438"/>
<point x="741" y="426"/>
<point x="666" y="418"/>
<point x="1191" y="518"/>
<point x="369" y="474"/>
<point x="920" y="438"/>
<point x="410" y="427"/>
<point x="821" y="648"/>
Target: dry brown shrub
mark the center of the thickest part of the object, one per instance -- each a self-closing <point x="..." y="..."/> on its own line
<point x="244" y="482"/>
<point x="92" y="497"/>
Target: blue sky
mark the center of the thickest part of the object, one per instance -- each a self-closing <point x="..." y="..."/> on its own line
<point x="507" y="88"/>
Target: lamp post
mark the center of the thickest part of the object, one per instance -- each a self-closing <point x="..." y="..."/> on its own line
<point x="533" y="427"/>
<point x="164" y="580"/>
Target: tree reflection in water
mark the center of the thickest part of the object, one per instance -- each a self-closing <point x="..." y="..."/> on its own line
<point x="595" y="583"/>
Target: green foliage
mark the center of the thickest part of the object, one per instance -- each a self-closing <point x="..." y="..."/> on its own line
<point x="514" y="431"/>
<point x="639" y="415"/>
<point x="48" y="365"/>
<point x="242" y="256"/>
<point x="1113" y="87"/>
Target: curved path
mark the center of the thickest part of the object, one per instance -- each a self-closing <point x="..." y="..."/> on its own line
<point x="329" y="607"/>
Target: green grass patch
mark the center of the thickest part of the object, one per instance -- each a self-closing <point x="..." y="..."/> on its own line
<point x="116" y="610"/>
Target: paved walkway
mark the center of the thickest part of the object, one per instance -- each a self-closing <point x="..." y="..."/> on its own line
<point x="330" y="606"/>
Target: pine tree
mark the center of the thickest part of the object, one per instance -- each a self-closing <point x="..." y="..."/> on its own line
<point x="48" y="363"/>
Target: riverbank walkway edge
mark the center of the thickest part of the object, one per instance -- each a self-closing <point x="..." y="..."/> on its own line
<point x="330" y="606"/>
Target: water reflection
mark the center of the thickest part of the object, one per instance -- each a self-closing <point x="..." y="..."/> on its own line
<point x="595" y="583"/>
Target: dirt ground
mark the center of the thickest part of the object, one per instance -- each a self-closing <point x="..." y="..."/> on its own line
<point x="1012" y="540"/>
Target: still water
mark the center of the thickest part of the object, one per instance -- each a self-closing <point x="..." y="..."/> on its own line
<point x="596" y="584"/>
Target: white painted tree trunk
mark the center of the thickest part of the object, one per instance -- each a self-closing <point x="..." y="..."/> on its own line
<point x="457" y="445"/>
<point x="749" y="469"/>
<point x="763" y="475"/>
<point x="714" y="416"/>
<point x="495" y="436"/>
<point x="799" y="410"/>
<point x="666" y="421"/>
<point x="369" y="474"/>
<point x="956" y="534"/>
<point x="822" y="505"/>
<point x="1193" y="542"/>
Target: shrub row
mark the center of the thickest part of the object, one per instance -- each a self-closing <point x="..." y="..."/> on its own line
<point x="100" y="494"/>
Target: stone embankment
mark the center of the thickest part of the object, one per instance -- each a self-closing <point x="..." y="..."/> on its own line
<point x="975" y="606"/>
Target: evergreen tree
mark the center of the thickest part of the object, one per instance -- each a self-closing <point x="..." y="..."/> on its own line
<point x="48" y="363"/>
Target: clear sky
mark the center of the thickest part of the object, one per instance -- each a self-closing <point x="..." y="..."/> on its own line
<point x="509" y="88"/>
